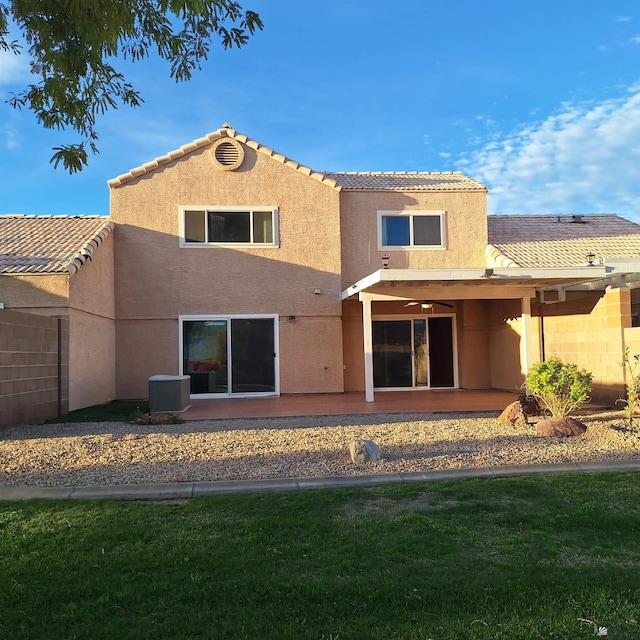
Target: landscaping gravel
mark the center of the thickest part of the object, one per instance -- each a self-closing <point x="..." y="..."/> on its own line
<point x="209" y="450"/>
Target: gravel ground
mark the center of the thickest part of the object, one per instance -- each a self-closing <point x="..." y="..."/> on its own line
<point x="121" y="453"/>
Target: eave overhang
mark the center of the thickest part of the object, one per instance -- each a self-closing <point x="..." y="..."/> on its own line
<point x="495" y="283"/>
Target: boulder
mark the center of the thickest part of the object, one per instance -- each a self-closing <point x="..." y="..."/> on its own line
<point x="518" y="412"/>
<point x="364" y="451"/>
<point x="561" y="427"/>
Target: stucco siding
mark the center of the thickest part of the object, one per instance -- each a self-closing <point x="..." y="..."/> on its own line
<point x="157" y="280"/>
<point x="91" y="359"/>
<point x="311" y="355"/>
<point x="473" y="345"/>
<point x="466" y="231"/>
<point x="505" y="346"/>
<point x="144" y="348"/>
<point x="40" y="294"/>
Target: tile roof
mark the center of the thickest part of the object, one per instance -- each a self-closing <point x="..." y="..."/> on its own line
<point x="49" y="244"/>
<point x="561" y="241"/>
<point x="402" y="181"/>
<point x="377" y="181"/>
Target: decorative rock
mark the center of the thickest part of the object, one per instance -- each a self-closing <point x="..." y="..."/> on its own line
<point x="364" y="451"/>
<point x="561" y="427"/>
<point x="517" y="412"/>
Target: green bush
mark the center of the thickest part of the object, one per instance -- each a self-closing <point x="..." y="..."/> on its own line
<point x="560" y="385"/>
<point x="632" y="400"/>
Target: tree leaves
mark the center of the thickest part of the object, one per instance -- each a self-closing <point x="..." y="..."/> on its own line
<point x="73" y="43"/>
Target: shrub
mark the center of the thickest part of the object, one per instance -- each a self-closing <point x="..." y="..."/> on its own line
<point x="560" y="386"/>
<point x="632" y="400"/>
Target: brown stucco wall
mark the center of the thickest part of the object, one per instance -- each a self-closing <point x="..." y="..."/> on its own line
<point x="473" y="345"/>
<point x="466" y="221"/>
<point x="92" y="330"/>
<point x="41" y="294"/>
<point x="156" y="280"/>
<point x="34" y="367"/>
<point x="504" y="320"/>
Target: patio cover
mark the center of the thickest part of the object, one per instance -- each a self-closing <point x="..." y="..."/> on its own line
<point x="482" y="284"/>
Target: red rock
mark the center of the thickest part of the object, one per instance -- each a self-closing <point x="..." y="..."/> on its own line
<point x="561" y="427"/>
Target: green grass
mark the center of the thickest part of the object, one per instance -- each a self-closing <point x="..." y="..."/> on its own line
<point x="514" y="558"/>
<point x="116" y="411"/>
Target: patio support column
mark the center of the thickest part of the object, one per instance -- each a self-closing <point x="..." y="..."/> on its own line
<point x="368" y="347"/>
<point x="526" y="333"/>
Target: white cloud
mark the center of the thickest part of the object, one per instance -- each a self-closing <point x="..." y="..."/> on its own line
<point x="11" y="137"/>
<point x="622" y="19"/>
<point x="13" y="68"/>
<point x="583" y="159"/>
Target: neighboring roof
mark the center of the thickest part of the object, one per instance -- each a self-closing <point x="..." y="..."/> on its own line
<point x="225" y="131"/>
<point x="559" y="241"/>
<point x="49" y="244"/>
<point x="401" y="181"/>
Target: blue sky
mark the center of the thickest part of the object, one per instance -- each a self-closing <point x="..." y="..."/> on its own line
<point x="538" y="99"/>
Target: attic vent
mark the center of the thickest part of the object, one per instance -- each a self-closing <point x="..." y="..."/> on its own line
<point x="227" y="154"/>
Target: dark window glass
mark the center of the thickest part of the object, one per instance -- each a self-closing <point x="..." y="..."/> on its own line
<point x="263" y="227"/>
<point x="194" y="229"/>
<point x="426" y="230"/>
<point x="229" y="226"/>
<point x="395" y="231"/>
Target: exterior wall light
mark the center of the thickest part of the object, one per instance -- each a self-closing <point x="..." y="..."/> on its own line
<point x="385" y="261"/>
<point x="591" y="258"/>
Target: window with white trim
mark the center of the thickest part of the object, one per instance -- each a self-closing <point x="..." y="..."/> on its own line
<point x="255" y="226"/>
<point x="411" y="229"/>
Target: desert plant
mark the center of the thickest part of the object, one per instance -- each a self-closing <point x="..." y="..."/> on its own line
<point x="632" y="401"/>
<point x="561" y="386"/>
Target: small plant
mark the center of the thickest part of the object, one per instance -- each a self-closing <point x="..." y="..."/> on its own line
<point x="137" y="415"/>
<point x="561" y="386"/>
<point x="632" y="401"/>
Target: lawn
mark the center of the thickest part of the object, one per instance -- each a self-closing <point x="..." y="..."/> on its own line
<point x="544" y="557"/>
<point x="116" y="411"/>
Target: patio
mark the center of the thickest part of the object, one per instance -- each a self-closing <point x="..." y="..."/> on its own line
<point x="433" y="401"/>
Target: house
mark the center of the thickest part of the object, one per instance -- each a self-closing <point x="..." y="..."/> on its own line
<point x="46" y="269"/>
<point x="255" y="275"/>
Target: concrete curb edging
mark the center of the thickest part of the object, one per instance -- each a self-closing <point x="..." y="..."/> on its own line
<point x="184" y="490"/>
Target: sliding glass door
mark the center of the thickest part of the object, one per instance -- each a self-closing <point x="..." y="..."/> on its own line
<point x="411" y="353"/>
<point x="230" y="355"/>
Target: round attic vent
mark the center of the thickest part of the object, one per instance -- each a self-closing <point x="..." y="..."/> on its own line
<point x="227" y="154"/>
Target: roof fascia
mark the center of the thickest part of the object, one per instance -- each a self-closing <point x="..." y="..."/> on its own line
<point x="519" y="275"/>
<point x="209" y="139"/>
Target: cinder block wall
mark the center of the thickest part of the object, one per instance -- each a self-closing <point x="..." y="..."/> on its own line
<point x="589" y="331"/>
<point x="34" y="367"/>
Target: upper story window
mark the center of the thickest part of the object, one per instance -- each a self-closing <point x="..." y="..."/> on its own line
<point x="411" y="229"/>
<point x="256" y="226"/>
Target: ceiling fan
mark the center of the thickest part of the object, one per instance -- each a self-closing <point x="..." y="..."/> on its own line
<point x="428" y="304"/>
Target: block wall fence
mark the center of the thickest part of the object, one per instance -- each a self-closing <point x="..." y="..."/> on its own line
<point x="591" y="332"/>
<point x="34" y="368"/>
